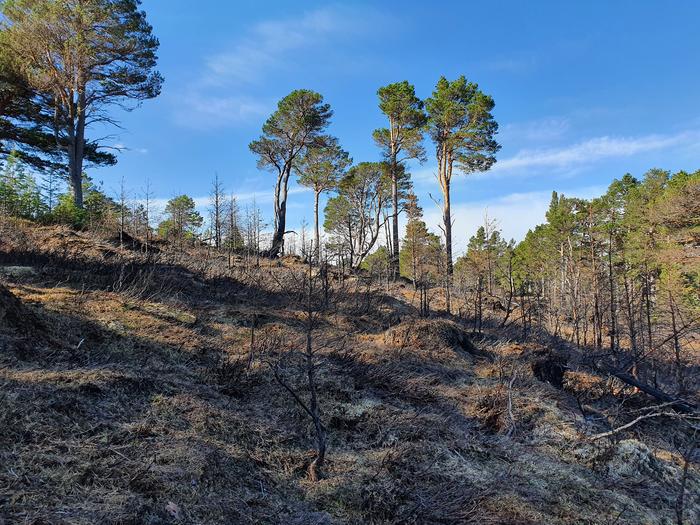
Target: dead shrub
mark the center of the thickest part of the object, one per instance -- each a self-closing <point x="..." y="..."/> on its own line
<point x="489" y="406"/>
<point x="407" y="488"/>
<point x="230" y="375"/>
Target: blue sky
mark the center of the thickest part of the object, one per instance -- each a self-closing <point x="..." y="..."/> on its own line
<point x="584" y="92"/>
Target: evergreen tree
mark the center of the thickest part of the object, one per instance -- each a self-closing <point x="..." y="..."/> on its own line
<point x="420" y="250"/>
<point x="462" y="128"/>
<point x="401" y="141"/>
<point x="321" y="168"/>
<point x="296" y="125"/>
<point x="98" y="209"/>
<point x="19" y="193"/>
<point x="183" y="220"/>
<point x="80" y="57"/>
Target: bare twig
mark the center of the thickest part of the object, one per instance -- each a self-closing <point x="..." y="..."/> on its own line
<point x="638" y="420"/>
<point x="511" y="417"/>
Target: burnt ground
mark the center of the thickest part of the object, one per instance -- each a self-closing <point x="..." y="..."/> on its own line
<point x="126" y="398"/>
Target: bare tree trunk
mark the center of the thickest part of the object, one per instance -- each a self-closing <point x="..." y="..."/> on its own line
<point x="647" y="287"/>
<point x="511" y="290"/>
<point x="317" y="463"/>
<point x="78" y="148"/>
<point x="75" y="171"/>
<point x="611" y="280"/>
<point x="680" y="500"/>
<point x="448" y="294"/>
<point x="317" y="233"/>
<point x="524" y="312"/>
<point x="480" y="302"/>
<point x="394" y="219"/>
<point x="630" y="321"/>
<point x="217" y="204"/>
<point x="597" y="316"/>
<point x="680" y="379"/>
<point x="280" y="213"/>
<point x="122" y="213"/>
<point x="447" y="224"/>
<point x="148" y="196"/>
<point x="387" y="236"/>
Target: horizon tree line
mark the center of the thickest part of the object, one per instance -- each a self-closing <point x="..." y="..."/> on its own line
<point x="64" y="66"/>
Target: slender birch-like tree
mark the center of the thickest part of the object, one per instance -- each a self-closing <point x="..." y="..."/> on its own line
<point x="320" y="169"/>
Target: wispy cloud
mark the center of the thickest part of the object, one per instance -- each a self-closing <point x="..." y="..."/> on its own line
<point x="268" y="44"/>
<point x="204" y="111"/>
<point x="573" y="157"/>
<point x="539" y="130"/>
<point x="591" y="151"/>
<point x="515" y="214"/>
<point x="226" y="93"/>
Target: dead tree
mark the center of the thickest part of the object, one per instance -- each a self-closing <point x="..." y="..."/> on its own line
<point x="147" y="198"/>
<point x="217" y="211"/>
<point x="308" y="289"/>
<point x="123" y="206"/>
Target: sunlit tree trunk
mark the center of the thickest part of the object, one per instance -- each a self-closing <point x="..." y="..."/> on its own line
<point x="317" y="232"/>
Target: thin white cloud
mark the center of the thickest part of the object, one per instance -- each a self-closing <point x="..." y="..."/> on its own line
<point x="424" y="174"/>
<point x="515" y="213"/>
<point x="205" y="111"/>
<point x="269" y="42"/>
<point x="591" y="151"/>
<point x="573" y="157"/>
<point x="225" y="93"/>
<point x="539" y="130"/>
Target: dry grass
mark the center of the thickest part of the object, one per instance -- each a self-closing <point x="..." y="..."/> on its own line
<point x="119" y="408"/>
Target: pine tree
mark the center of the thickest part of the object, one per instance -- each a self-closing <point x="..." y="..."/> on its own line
<point x="80" y="58"/>
<point x="462" y="128"/>
<point x="183" y="220"/>
<point x="321" y="169"/>
<point x="401" y="141"/>
<point x="297" y="124"/>
<point x="19" y="192"/>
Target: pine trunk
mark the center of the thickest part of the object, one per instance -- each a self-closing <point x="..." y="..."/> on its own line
<point x="447" y="221"/>
<point x="395" y="221"/>
<point x="317" y="233"/>
<point x="280" y="213"/>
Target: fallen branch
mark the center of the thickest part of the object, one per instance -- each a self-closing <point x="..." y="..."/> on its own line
<point x="638" y="420"/>
<point x="679" y="404"/>
<point x="511" y="427"/>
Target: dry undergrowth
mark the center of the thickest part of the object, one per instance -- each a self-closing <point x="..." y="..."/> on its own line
<point x="131" y="407"/>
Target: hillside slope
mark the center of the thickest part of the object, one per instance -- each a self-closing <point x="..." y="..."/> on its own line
<point x="127" y="398"/>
